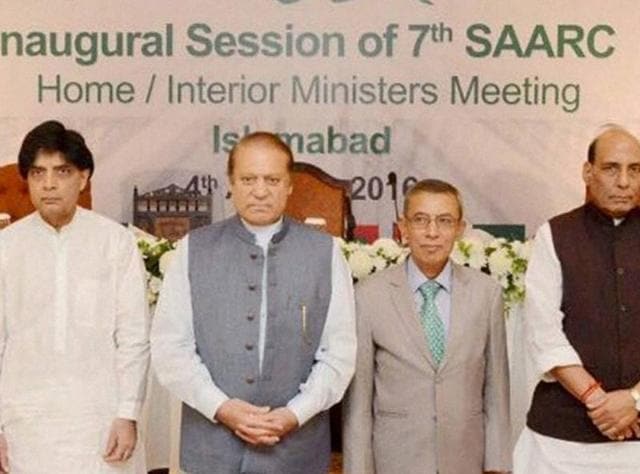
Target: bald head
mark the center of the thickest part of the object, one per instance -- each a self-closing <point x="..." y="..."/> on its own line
<point x="614" y="133"/>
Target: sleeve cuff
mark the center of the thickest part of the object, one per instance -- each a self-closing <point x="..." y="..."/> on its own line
<point x="301" y="409"/>
<point x="559" y="357"/>
<point x="208" y="402"/>
<point x="129" y="410"/>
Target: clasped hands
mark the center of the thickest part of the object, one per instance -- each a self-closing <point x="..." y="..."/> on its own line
<point x="614" y="414"/>
<point x="256" y="425"/>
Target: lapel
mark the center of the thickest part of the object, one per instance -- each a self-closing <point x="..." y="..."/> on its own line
<point x="460" y="303"/>
<point x="402" y="300"/>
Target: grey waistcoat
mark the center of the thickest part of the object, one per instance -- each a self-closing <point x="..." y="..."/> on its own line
<point x="225" y="274"/>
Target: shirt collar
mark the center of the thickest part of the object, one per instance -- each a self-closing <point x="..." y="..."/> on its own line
<point x="263" y="234"/>
<point x="78" y="215"/>
<point x="417" y="278"/>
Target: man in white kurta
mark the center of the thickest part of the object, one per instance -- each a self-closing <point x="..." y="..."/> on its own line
<point x="581" y="327"/>
<point x="73" y="335"/>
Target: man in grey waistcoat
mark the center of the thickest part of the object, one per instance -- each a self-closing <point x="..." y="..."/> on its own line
<point x="255" y="329"/>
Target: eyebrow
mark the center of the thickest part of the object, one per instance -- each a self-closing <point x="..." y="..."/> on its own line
<point x="57" y="167"/>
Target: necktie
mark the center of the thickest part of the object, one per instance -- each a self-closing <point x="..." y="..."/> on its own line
<point x="430" y="319"/>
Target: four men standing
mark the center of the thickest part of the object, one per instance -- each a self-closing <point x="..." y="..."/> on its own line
<point x="255" y="332"/>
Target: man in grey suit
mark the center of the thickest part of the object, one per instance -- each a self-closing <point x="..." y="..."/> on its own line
<point x="255" y="328"/>
<point x="431" y="390"/>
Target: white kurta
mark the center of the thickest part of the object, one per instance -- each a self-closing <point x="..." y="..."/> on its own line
<point x="73" y="342"/>
<point x="549" y="347"/>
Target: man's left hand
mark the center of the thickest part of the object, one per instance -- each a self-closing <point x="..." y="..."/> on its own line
<point x="122" y="440"/>
<point x="285" y="418"/>
<point x="615" y="414"/>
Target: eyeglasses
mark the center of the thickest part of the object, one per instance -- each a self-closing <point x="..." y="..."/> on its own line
<point x="442" y="222"/>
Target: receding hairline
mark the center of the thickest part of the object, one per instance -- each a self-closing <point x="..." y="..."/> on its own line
<point x="605" y="131"/>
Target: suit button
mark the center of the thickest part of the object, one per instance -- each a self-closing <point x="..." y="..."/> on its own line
<point x="253" y="256"/>
<point x="252" y="287"/>
<point x="251" y="317"/>
<point x="249" y="380"/>
<point x="248" y="347"/>
<point x="623" y="308"/>
<point x="620" y="271"/>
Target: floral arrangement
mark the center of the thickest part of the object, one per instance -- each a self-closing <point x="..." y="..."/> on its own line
<point x="365" y="259"/>
<point x="504" y="260"/>
<point x="157" y="254"/>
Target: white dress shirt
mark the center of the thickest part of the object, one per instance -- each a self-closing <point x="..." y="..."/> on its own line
<point x="263" y="235"/>
<point x="181" y="370"/>
<point x="549" y="348"/>
<point x="74" y="341"/>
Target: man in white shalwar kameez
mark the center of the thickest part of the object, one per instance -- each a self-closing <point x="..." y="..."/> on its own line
<point x="73" y="323"/>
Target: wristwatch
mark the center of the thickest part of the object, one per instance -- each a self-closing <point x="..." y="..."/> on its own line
<point x="636" y="397"/>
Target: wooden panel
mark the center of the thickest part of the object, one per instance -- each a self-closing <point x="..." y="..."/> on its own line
<point x="171" y="212"/>
<point x="319" y="195"/>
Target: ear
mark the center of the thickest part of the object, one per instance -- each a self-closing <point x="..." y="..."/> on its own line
<point x="404" y="230"/>
<point x="289" y="178"/>
<point x="84" y="176"/>
<point x="587" y="172"/>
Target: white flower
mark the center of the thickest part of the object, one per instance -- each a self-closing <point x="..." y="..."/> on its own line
<point x="154" y="284"/>
<point x="477" y="257"/>
<point x="165" y="260"/>
<point x="349" y="247"/>
<point x="379" y="263"/>
<point x="524" y="249"/>
<point x="152" y="297"/>
<point x="457" y="255"/>
<point x="499" y="262"/>
<point x="387" y="247"/>
<point x="361" y="263"/>
<point x="503" y="279"/>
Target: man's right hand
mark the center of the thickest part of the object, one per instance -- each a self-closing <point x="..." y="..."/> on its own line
<point x="4" y="454"/>
<point x="248" y="422"/>
<point x="614" y="414"/>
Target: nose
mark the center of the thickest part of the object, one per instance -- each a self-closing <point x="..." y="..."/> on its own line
<point x="432" y="229"/>
<point x="50" y="181"/>
<point x="260" y="188"/>
<point x="623" y="178"/>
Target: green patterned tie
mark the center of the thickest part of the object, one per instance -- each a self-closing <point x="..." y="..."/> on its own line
<point x="430" y="319"/>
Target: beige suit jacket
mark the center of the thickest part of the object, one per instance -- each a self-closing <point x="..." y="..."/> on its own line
<point x="404" y="415"/>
